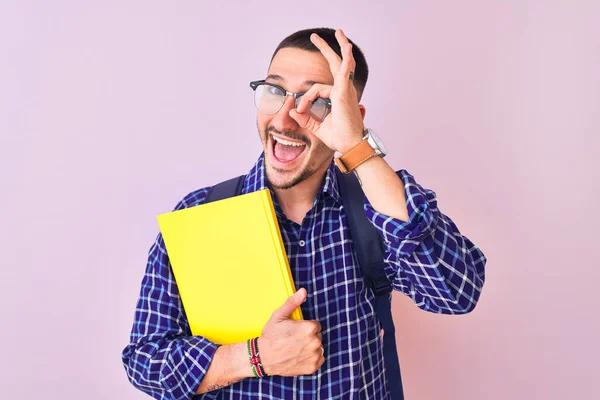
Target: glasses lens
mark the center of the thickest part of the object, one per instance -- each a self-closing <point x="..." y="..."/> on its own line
<point x="268" y="99"/>
<point x="319" y="109"/>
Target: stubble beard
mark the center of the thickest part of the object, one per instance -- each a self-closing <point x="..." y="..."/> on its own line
<point x="305" y="172"/>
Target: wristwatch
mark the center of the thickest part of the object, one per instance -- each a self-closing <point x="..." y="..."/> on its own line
<point x="370" y="146"/>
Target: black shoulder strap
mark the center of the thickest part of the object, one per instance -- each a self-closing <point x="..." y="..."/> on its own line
<point x="227" y="189"/>
<point x="370" y="252"/>
<point x="367" y="242"/>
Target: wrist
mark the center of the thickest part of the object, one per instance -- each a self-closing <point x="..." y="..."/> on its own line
<point x="266" y="366"/>
<point x="241" y="368"/>
<point x="350" y="144"/>
<point x="255" y="359"/>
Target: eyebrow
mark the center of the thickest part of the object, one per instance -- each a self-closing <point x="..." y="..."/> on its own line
<point x="280" y="78"/>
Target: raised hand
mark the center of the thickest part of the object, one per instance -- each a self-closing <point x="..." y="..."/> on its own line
<point x="343" y="128"/>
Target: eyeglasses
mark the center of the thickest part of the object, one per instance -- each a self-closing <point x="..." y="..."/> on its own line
<point x="270" y="98"/>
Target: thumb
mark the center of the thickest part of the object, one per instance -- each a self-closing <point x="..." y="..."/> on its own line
<point x="293" y="302"/>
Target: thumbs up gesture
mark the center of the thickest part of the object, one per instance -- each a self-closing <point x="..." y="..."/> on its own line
<point x="289" y="347"/>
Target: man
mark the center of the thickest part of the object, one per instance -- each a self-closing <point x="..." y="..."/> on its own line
<point x="336" y="351"/>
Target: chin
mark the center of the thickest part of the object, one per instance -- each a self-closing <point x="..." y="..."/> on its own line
<point x="282" y="181"/>
<point x="283" y="177"/>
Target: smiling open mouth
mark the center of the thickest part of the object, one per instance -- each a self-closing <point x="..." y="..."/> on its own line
<point x="286" y="151"/>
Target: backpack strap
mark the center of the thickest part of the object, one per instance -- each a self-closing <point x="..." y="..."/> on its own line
<point x="370" y="252"/>
<point x="224" y="190"/>
<point x="367" y="242"/>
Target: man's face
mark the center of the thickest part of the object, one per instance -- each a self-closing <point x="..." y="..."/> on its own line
<point x="293" y="154"/>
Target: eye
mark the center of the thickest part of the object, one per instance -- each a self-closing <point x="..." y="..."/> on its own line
<point x="319" y="109"/>
<point x="319" y="105"/>
<point x="273" y="90"/>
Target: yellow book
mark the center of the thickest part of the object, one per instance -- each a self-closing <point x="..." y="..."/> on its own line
<point x="229" y="264"/>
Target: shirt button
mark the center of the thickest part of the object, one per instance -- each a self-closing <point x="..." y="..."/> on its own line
<point x="302" y="243"/>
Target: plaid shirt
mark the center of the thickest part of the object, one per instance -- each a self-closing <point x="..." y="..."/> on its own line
<point x="427" y="259"/>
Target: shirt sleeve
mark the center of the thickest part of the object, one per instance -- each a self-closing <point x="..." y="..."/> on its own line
<point x="427" y="258"/>
<point x="163" y="359"/>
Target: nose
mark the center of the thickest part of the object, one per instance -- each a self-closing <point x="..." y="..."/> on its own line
<point x="282" y="120"/>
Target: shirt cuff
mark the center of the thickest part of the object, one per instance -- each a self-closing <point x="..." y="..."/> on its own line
<point x="186" y="366"/>
<point x="422" y="211"/>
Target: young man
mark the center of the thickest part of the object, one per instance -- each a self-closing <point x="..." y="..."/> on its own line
<point x="336" y="351"/>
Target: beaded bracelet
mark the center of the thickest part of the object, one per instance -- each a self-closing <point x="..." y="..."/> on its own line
<point x="254" y="357"/>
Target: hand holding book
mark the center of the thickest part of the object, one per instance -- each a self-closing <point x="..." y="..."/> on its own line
<point x="289" y="347"/>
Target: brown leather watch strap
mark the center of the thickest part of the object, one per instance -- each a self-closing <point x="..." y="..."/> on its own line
<point x="357" y="155"/>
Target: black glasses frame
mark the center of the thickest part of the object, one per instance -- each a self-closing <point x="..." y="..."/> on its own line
<point x="255" y="84"/>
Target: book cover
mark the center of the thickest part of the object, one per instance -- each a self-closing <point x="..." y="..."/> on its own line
<point x="230" y="265"/>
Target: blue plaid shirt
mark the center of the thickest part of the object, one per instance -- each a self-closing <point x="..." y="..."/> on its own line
<point x="427" y="259"/>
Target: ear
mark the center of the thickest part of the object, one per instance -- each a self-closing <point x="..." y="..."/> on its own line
<point x="363" y="111"/>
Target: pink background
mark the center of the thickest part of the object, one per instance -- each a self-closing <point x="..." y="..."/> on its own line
<point x="111" y="111"/>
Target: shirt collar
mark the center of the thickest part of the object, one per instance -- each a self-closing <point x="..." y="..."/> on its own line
<point x="257" y="180"/>
<point x="330" y="186"/>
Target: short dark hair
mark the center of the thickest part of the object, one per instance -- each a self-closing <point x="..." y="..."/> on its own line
<point x="301" y="40"/>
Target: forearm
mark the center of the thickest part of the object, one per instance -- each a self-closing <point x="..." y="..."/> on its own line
<point x="433" y="263"/>
<point x="383" y="188"/>
<point x="229" y="365"/>
<point x="444" y="274"/>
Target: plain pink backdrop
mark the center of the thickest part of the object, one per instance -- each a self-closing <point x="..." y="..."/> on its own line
<point x="111" y="111"/>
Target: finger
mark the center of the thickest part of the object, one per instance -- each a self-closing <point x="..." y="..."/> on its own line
<point x="348" y="63"/>
<point x="312" y="327"/>
<point x="305" y="120"/>
<point x="317" y="90"/>
<point x="320" y="337"/>
<point x="316" y="362"/>
<point x="332" y="58"/>
<point x="317" y="326"/>
<point x="321" y="361"/>
<point x="293" y="302"/>
<point x="341" y="37"/>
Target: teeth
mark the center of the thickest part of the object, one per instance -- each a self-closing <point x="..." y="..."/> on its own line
<point x="288" y="143"/>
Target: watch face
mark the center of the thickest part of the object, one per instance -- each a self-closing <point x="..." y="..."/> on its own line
<point x="376" y="142"/>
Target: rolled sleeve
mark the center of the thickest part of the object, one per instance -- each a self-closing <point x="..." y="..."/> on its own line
<point x="423" y="217"/>
<point x="427" y="258"/>
<point x="186" y="365"/>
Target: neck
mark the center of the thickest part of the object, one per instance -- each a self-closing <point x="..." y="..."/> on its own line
<point x="298" y="200"/>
